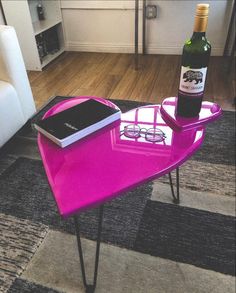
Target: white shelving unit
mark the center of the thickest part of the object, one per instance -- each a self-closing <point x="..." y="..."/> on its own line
<point x="22" y="15"/>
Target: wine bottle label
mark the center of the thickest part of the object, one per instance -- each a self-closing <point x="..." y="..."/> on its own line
<point x="192" y="81"/>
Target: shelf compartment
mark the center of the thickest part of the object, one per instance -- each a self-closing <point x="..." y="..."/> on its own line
<point x="47" y="59"/>
<point x="48" y="42"/>
<point x="43" y="25"/>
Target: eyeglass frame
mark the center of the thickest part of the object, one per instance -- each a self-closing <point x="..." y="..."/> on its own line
<point x="140" y="131"/>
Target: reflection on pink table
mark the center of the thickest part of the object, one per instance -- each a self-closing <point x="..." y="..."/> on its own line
<point x="209" y="112"/>
<point x="105" y="164"/>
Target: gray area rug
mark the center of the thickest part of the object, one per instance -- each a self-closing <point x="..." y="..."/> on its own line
<point x="191" y="236"/>
<point x="19" y="240"/>
<point x="25" y="193"/>
<point x="23" y="286"/>
<point x="188" y="235"/>
<point x="132" y="221"/>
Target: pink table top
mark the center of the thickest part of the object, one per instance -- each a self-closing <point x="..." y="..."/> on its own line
<point x="101" y="166"/>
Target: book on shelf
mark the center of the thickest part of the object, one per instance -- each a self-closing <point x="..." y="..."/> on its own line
<point x="74" y="123"/>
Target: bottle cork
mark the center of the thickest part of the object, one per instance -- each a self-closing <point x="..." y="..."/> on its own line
<point x="201" y="17"/>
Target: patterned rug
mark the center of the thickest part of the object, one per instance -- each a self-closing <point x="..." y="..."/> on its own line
<point x="198" y="235"/>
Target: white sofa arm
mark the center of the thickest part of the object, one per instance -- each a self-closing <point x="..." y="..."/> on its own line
<point x="15" y="71"/>
<point x="11" y="116"/>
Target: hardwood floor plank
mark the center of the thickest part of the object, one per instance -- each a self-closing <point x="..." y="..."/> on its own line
<point x="166" y="77"/>
<point x="125" y="60"/>
<point x="78" y="79"/>
<point x="221" y="84"/>
<point x="32" y="75"/>
<point x="95" y="58"/>
<point x="66" y="81"/>
<point x="107" y="85"/>
<point x="51" y="67"/>
<point x="173" y="91"/>
<point x="101" y="72"/>
<point x="127" y="84"/>
<point x="145" y="84"/>
<point x="81" y="92"/>
<point x="113" y="76"/>
<point x="88" y="76"/>
<point x="51" y="72"/>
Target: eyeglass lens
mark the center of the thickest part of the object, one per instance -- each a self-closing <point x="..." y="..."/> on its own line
<point x="152" y="134"/>
<point x="132" y="131"/>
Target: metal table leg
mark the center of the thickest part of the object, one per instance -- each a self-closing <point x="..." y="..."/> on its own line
<point x="144" y="27"/>
<point x="136" y="32"/>
<point x="175" y="197"/>
<point x="90" y="288"/>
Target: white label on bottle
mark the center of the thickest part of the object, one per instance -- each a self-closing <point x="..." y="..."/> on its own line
<point x="192" y="81"/>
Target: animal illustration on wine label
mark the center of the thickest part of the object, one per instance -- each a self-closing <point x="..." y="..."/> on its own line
<point x="191" y="75"/>
<point x="192" y="80"/>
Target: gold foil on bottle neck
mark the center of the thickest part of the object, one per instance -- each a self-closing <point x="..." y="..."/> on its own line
<point x="201" y="17"/>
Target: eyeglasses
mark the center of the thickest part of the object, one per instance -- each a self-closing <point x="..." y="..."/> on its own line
<point x="151" y="134"/>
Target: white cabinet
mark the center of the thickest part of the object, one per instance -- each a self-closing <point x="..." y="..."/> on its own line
<point x="41" y="41"/>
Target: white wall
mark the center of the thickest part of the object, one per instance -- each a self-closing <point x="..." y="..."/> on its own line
<point x="108" y="26"/>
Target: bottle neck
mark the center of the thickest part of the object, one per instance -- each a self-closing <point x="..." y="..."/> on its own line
<point x="200" y="24"/>
<point x="198" y="35"/>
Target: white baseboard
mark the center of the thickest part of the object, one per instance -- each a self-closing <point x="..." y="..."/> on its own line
<point x="129" y="48"/>
<point x="100" y="47"/>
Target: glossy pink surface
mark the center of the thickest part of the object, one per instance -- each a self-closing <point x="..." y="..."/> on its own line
<point x="105" y="164"/>
<point x="209" y="112"/>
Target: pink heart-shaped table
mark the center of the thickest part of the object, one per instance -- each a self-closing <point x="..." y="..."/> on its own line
<point x="106" y="163"/>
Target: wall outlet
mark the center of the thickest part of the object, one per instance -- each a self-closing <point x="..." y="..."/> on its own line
<point x="151" y="11"/>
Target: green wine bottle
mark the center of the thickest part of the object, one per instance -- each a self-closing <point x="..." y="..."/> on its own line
<point x="195" y="60"/>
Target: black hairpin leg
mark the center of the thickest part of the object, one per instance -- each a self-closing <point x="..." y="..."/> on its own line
<point x="175" y="197"/>
<point x="90" y="288"/>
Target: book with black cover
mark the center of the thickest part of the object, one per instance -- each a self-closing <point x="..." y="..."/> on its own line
<point x="77" y="122"/>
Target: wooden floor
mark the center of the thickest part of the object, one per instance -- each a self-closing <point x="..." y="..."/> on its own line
<point x="113" y="76"/>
